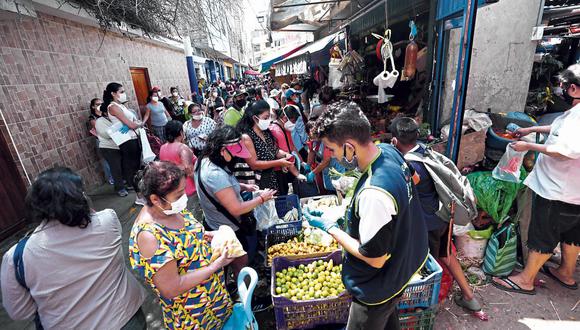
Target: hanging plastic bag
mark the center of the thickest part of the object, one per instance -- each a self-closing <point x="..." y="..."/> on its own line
<point x="147" y="155"/>
<point x="494" y="196"/>
<point x="225" y="236"/>
<point x="508" y="168"/>
<point x="265" y="214"/>
<point x="500" y="254"/>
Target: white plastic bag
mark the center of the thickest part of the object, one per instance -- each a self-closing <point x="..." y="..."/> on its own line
<point x="225" y="236"/>
<point x="147" y="155"/>
<point x="265" y="214"/>
<point x="477" y="120"/>
<point x="508" y="168"/>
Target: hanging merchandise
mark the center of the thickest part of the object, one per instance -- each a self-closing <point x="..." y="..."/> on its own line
<point x="351" y="63"/>
<point x="385" y="79"/>
<point x="410" y="55"/>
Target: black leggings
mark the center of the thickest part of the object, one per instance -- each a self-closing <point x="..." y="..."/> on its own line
<point x="131" y="153"/>
<point x="115" y="160"/>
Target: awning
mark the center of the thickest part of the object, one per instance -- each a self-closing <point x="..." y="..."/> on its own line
<point x="285" y="53"/>
<point x="310" y="15"/>
<point x="317" y="53"/>
<point x="252" y="73"/>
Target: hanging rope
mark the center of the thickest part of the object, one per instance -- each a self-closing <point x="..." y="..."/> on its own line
<point x="386" y="15"/>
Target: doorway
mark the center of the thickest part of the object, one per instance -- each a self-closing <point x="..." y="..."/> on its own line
<point x="12" y="191"/>
<point x="142" y="86"/>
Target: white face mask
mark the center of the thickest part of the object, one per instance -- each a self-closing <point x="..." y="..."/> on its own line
<point x="289" y="126"/>
<point x="263" y="124"/>
<point x="123" y="97"/>
<point x="214" y="94"/>
<point x="197" y="117"/>
<point x="175" y="94"/>
<point x="177" y="206"/>
<point x="155" y="98"/>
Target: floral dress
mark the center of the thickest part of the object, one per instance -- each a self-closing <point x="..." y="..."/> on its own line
<point x="208" y="305"/>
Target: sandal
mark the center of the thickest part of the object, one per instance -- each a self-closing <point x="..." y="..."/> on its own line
<point x="471" y="305"/>
<point x="514" y="287"/>
<point x="546" y="270"/>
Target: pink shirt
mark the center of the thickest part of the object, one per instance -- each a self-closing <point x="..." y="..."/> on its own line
<point x="170" y="152"/>
<point x="283" y="138"/>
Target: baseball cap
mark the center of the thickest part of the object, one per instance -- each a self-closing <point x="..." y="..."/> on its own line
<point x="291" y="92"/>
<point x="156" y="88"/>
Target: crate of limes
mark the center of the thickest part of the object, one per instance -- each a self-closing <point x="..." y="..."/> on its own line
<point x="309" y="292"/>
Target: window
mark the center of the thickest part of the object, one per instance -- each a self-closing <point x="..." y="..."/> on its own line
<point x="268" y="45"/>
<point x="260" y="19"/>
<point x="256" y="48"/>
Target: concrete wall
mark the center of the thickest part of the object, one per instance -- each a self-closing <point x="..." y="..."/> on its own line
<point x="502" y="58"/>
<point x="50" y="68"/>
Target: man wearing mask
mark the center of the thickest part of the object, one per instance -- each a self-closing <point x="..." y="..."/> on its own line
<point x="235" y="113"/>
<point x="385" y="242"/>
<point x="299" y="135"/>
<point x="555" y="181"/>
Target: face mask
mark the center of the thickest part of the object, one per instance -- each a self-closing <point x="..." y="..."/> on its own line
<point x="197" y="117"/>
<point x="569" y="99"/>
<point x="240" y="103"/>
<point x="155" y="98"/>
<point x="177" y="206"/>
<point x="348" y="165"/>
<point x="289" y="126"/>
<point x="175" y="94"/>
<point x="558" y="91"/>
<point x="123" y="97"/>
<point x="263" y="124"/>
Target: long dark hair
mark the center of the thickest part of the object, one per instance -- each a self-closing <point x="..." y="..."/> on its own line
<point x="247" y="122"/>
<point x="58" y="194"/>
<point x="107" y="97"/>
<point x="215" y="143"/>
<point x="93" y="112"/>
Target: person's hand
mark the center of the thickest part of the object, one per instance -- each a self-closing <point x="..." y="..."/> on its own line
<point x="124" y="129"/>
<point x="306" y="167"/>
<point x="301" y="178"/>
<point x="520" y="146"/>
<point x="310" y="177"/>
<point x="521" y="132"/>
<point x="208" y="235"/>
<point x="222" y="260"/>
<point x="317" y="220"/>
<point x="284" y="162"/>
<point x="267" y="194"/>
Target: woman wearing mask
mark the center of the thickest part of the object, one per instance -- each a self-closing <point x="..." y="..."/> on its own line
<point x="96" y="113"/>
<point x="113" y="98"/>
<point x="215" y="104"/>
<point x="74" y="271"/>
<point x="176" y="103"/>
<point x="197" y="129"/>
<point x="220" y="192"/>
<point x="172" y="252"/>
<point x="282" y="129"/>
<point x="266" y="157"/>
<point x="178" y="153"/>
<point x="155" y="110"/>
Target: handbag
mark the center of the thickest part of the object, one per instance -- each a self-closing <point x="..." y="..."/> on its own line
<point x="19" y="272"/>
<point x="248" y="219"/>
<point x="500" y="254"/>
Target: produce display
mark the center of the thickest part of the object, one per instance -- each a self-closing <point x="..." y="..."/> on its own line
<point x="297" y="246"/>
<point x="321" y="204"/>
<point x="316" y="280"/>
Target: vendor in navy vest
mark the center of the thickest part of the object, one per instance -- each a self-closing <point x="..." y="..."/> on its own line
<point x="385" y="241"/>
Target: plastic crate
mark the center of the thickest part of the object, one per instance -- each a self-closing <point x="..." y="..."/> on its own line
<point x="281" y="235"/>
<point x="307" y="314"/>
<point x="422" y="320"/>
<point x="425" y="293"/>
<point x="287" y="203"/>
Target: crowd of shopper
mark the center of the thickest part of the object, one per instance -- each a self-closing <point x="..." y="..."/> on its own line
<point x="222" y="156"/>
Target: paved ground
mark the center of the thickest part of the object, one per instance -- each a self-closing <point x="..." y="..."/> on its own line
<point x="551" y="308"/>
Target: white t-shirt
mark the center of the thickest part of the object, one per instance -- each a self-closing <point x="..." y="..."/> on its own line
<point x="128" y="114"/>
<point x="559" y="179"/>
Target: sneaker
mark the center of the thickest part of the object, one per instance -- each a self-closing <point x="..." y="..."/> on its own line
<point x="111" y="181"/>
<point x="140" y="201"/>
<point x="123" y="193"/>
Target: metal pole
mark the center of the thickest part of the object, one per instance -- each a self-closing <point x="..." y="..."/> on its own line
<point x="461" y="80"/>
<point x="308" y="4"/>
<point x="190" y="65"/>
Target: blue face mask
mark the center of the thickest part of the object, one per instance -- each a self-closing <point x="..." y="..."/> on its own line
<point x="348" y="164"/>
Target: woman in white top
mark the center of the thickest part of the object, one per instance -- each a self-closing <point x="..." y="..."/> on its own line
<point x="75" y="275"/>
<point x="111" y="153"/>
<point x="158" y="114"/>
<point x="113" y="98"/>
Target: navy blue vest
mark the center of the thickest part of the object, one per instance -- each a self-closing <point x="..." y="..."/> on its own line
<point x="391" y="175"/>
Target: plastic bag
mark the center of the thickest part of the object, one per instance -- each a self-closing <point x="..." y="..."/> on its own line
<point x="477" y="120"/>
<point x="317" y="236"/>
<point x="225" y="236"/>
<point x="501" y="252"/>
<point x="508" y="168"/>
<point x="265" y="214"/>
<point x="493" y="196"/>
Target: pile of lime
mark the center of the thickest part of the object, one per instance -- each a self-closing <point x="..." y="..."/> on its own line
<point x="316" y="280"/>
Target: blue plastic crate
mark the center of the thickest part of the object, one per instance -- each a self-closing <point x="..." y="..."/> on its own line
<point x="287" y="203"/>
<point x="425" y="293"/>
